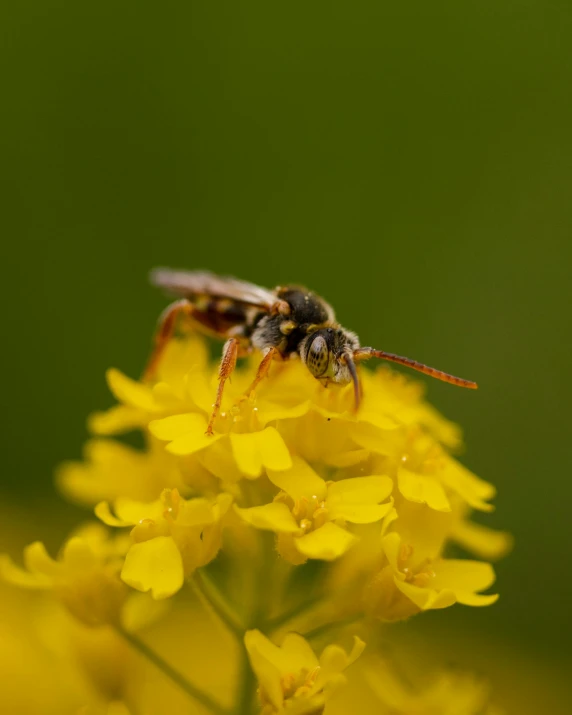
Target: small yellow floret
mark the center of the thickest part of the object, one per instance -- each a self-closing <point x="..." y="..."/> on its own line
<point x="171" y="538"/>
<point x="85" y="577"/>
<point x="309" y="514"/>
<point x="292" y="677"/>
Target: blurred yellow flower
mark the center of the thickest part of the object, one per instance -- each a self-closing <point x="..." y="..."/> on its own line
<point x="85" y="578"/>
<point x="112" y="470"/>
<point x="449" y="693"/>
<point x="291" y="677"/>
<point x="380" y="687"/>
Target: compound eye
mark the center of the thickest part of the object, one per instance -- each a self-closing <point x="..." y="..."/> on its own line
<point x="318" y="356"/>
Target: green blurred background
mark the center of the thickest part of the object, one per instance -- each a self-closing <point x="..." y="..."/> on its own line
<point x="412" y="162"/>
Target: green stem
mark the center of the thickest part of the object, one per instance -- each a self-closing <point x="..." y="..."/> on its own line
<point x="256" y="619"/>
<point x="274" y="624"/>
<point x="214" y="601"/>
<point x="325" y="627"/>
<point x="246" y="693"/>
<point x="179" y="679"/>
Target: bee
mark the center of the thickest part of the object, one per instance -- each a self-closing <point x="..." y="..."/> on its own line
<point x="289" y="321"/>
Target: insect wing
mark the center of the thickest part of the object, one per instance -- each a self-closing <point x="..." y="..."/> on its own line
<point x="189" y="284"/>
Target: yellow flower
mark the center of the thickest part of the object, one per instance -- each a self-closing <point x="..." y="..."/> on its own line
<point x="449" y="693"/>
<point x="171" y="538"/>
<point x="408" y="584"/>
<point x="480" y="540"/>
<point x="173" y="393"/>
<point x="396" y="445"/>
<point x="375" y="495"/>
<point x="379" y="687"/>
<point x="291" y="678"/>
<point x="85" y="577"/>
<point x="309" y="514"/>
<point x="112" y="470"/>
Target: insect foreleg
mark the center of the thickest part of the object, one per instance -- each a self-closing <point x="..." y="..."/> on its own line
<point x="165" y="330"/>
<point x="262" y="369"/>
<point x="227" y="365"/>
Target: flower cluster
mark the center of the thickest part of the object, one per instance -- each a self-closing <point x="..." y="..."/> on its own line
<point x="297" y="514"/>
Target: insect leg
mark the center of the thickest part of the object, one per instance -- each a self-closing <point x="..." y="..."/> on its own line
<point x="167" y="324"/>
<point x="227" y="365"/>
<point x="262" y="370"/>
<point x="367" y="353"/>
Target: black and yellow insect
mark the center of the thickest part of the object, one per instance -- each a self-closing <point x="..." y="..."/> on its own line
<point x="287" y="321"/>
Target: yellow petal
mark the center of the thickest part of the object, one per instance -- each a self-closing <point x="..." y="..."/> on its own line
<point x="116" y="420"/>
<point x="388" y="520"/>
<point x="299" y="481"/>
<point x="200" y="389"/>
<point x="327" y="543"/>
<point x="222" y="505"/>
<point x="195" y="512"/>
<point x="103" y="512"/>
<point x="17" y="576"/>
<point x="272" y="517"/>
<point x="349" y="458"/>
<point x="219" y="461"/>
<point x="473" y="490"/>
<point x="463" y="575"/>
<point x="132" y="512"/>
<point x="371" y="437"/>
<point x="272" y="411"/>
<point x="140" y="611"/>
<point x="360" y="513"/>
<point x="168" y="396"/>
<point x="155" y="565"/>
<point x="129" y="512"/>
<point x="255" y="450"/>
<point x="315" y="437"/>
<point x="360" y="490"/>
<point x="422" y="489"/>
<point x="180" y="356"/>
<point x="273" y="450"/>
<point x="426" y="598"/>
<point x="130" y="392"/>
<point x="37" y="560"/>
<point x="169" y="428"/>
<point x="77" y="555"/>
<point x="476" y="599"/>
<point x="334" y="660"/>
<point x="186" y="433"/>
<point x="246" y="453"/>
<point x="391" y="544"/>
<point x="424" y="528"/>
<point x="298" y="654"/>
<point x="267" y="663"/>
<point x="286" y="548"/>
<point x="372" y="415"/>
<point x="484" y="542"/>
<point x="191" y="443"/>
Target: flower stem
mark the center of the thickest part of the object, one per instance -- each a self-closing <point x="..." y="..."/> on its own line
<point x="246" y="693"/>
<point x="256" y="619"/>
<point x="326" y="627"/>
<point x="179" y="679"/>
<point x="214" y="601"/>
<point x="273" y="624"/>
